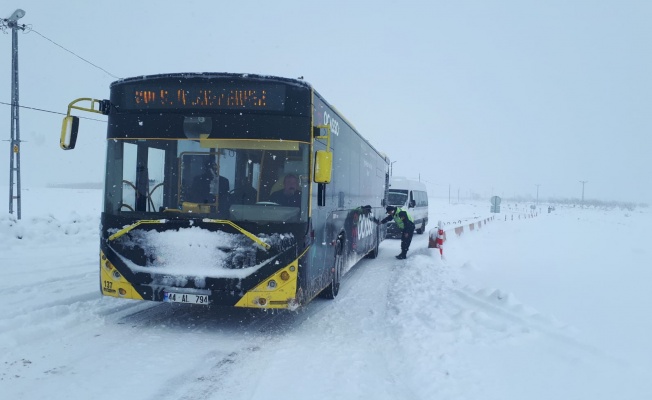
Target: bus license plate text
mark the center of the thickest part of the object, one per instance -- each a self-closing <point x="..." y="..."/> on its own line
<point x="186" y="298"/>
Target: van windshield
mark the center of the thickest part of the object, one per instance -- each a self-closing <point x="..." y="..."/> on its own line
<point x="397" y="197"/>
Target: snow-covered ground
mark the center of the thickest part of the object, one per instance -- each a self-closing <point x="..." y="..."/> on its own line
<point x="550" y="307"/>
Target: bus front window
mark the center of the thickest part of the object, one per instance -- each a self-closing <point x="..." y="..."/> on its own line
<point x="260" y="181"/>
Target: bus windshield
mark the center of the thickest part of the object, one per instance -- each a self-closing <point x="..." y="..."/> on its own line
<point x="236" y="179"/>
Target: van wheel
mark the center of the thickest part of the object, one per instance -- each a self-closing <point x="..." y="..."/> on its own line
<point x="422" y="229"/>
<point x="333" y="289"/>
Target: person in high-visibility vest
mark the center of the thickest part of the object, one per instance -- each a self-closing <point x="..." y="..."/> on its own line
<point x="405" y="223"/>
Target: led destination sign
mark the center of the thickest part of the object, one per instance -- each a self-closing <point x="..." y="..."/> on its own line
<point x="202" y="95"/>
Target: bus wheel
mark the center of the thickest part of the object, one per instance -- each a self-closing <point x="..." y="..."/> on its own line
<point x="333" y="289"/>
<point x="374" y="253"/>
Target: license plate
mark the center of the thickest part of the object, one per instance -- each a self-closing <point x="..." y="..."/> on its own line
<point x="186" y="298"/>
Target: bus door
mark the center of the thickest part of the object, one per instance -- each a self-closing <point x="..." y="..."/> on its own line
<point x="322" y="252"/>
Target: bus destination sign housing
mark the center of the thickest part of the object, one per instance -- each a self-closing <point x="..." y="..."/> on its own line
<point x="202" y="94"/>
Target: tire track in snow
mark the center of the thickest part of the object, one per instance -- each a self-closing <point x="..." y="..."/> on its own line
<point x="238" y="339"/>
<point x="27" y="324"/>
<point x="424" y="334"/>
<point x="227" y="364"/>
<point x="217" y="371"/>
<point x="385" y="336"/>
<point x="68" y="301"/>
<point x="34" y="323"/>
<point x="244" y="368"/>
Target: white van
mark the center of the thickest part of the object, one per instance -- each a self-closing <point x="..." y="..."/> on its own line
<point x="411" y="196"/>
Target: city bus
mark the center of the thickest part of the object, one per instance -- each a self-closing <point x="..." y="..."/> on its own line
<point x="231" y="190"/>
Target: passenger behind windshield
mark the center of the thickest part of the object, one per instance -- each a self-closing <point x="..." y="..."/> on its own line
<point x="243" y="193"/>
<point x="209" y="187"/>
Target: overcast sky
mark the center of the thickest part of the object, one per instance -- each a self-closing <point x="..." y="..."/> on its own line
<point x="489" y="97"/>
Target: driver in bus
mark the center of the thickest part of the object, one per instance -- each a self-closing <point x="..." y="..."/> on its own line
<point x="290" y="195"/>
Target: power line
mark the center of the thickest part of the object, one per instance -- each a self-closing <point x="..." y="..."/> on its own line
<point x="52" y="112"/>
<point x="69" y="51"/>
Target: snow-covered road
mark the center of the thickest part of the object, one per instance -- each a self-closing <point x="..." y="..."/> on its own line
<point x="500" y="317"/>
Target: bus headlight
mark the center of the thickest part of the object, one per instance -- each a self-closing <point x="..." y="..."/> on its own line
<point x="271" y="284"/>
<point x="285" y="276"/>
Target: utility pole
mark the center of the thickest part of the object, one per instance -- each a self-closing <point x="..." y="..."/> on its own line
<point x="583" y="182"/>
<point x="391" y="168"/>
<point x="537" y="185"/>
<point x="14" y="146"/>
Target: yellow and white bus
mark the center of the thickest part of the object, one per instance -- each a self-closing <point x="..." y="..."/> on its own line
<point x="196" y="169"/>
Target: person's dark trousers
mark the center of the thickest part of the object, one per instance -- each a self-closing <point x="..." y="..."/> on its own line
<point x="405" y="243"/>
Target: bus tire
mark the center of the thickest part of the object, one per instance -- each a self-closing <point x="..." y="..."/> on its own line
<point x="333" y="289"/>
<point x="374" y="252"/>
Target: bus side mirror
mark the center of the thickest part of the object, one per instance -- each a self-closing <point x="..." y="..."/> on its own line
<point x="69" y="131"/>
<point x="70" y="125"/>
<point x="323" y="166"/>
